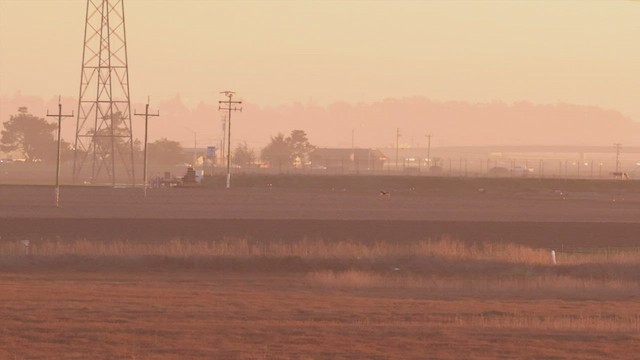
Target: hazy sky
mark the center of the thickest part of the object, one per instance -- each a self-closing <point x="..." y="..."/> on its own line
<point x="274" y="52"/>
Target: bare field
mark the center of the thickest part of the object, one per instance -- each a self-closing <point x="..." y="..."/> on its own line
<point x="178" y="314"/>
<point x="410" y="199"/>
<point x="321" y="273"/>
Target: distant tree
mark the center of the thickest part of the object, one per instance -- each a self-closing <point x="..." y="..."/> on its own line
<point x="300" y="148"/>
<point x="243" y="156"/>
<point x="287" y="152"/>
<point x="30" y="135"/>
<point x="277" y="152"/>
<point x="166" y="152"/>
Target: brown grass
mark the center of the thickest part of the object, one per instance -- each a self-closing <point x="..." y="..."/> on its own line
<point x="315" y="299"/>
<point x="427" y="264"/>
<point x="319" y="249"/>
<point x="67" y="315"/>
<point x="364" y="279"/>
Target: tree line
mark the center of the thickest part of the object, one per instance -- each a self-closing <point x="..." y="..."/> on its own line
<point x="33" y="138"/>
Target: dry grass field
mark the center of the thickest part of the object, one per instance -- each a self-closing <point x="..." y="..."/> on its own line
<point x="263" y="273"/>
<point x="311" y="299"/>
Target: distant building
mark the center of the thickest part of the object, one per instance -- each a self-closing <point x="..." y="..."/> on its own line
<point x="341" y="160"/>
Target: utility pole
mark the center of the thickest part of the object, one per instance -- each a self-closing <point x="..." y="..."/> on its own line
<point x="146" y="132"/>
<point x="353" y="151"/>
<point x="230" y="106"/>
<point x="428" y="151"/>
<point x="353" y="141"/>
<point x="224" y="136"/>
<point x="397" y="146"/>
<point x="617" y="145"/>
<point x="59" y="116"/>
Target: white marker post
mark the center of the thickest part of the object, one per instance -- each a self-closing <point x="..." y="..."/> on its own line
<point x="553" y="257"/>
<point x="26" y="244"/>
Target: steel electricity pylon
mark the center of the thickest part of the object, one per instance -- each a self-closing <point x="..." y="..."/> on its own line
<point x="104" y="140"/>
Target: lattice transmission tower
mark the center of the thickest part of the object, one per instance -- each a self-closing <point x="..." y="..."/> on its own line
<point x="104" y="149"/>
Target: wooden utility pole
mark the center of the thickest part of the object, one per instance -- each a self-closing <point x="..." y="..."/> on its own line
<point x="224" y="136"/>
<point x="230" y="106"/>
<point x="428" y="151"/>
<point x="59" y="116"/>
<point x="146" y="132"/>
<point x="397" y="147"/>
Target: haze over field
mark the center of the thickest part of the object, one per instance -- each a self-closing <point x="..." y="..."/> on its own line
<point x="499" y="216"/>
<point x="374" y="124"/>
<point x="471" y="73"/>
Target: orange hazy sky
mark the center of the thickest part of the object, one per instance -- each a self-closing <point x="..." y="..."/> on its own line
<point x="275" y="52"/>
